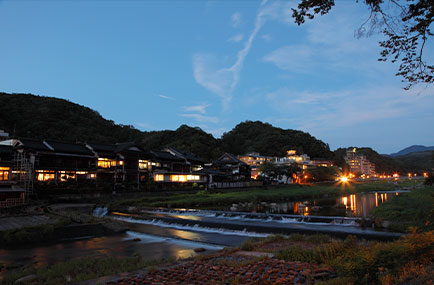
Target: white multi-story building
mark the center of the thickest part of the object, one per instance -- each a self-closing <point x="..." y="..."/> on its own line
<point x="359" y="163"/>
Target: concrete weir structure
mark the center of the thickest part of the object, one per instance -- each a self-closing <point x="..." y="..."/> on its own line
<point x="256" y="223"/>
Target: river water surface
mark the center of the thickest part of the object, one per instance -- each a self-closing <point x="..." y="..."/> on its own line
<point x="175" y="234"/>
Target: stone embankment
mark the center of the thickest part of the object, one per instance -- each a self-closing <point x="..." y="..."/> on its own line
<point x="232" y="269"/>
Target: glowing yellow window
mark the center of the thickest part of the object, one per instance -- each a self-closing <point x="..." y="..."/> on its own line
<point x="45" y="176"/>
<point x="159" y="177"/>
<point x="107" y="163"/>
<point x="143" y="164"/>
<point x="4" y="175"/>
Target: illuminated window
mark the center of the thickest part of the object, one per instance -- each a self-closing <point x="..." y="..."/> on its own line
<point x="45" y="175"/>
<point x="4" y="173"/>
<point x="184" y="178"/>
<point x="193" y="177"/>
<point x="159" y="177"/>
<point x="144" y="164"/>
<point x="107" y="163"/>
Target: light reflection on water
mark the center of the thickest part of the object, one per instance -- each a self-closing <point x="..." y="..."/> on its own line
<point x="117" y="246"/>
<point x="354" y="205"/>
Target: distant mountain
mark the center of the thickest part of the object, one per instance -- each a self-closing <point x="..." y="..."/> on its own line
<point x="417" y="161"/>
<point x="413" y="148"/>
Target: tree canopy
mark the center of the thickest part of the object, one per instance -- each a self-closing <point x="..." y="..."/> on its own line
<point x="405" y="24"/>
<point x="262" y="137"/>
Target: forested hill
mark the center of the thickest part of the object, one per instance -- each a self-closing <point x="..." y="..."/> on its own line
<point x="30" y="116"/>
<point x="272" y="141"/>
<point x="383" y="163"/>
<point x="185" y="138"/>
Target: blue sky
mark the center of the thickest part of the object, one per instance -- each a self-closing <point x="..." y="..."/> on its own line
<point x="159" y="64"/>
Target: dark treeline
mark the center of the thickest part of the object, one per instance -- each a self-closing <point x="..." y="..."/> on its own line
<point x="30" y="116"/>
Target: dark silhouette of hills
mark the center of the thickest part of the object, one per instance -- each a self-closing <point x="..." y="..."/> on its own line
<point x="411" y="149"/>
<point x="39" y="117"/>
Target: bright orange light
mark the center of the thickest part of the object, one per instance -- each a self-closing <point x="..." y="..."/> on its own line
<point x="409" y="175"/>
<point x="344" y="179"/>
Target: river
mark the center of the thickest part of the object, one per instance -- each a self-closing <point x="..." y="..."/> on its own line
<point x="176" y="233"/>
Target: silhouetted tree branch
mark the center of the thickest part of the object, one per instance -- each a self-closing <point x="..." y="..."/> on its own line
<point x="406" y="25"/>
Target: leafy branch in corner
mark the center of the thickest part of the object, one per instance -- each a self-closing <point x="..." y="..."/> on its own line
<point x="405" y="24"/>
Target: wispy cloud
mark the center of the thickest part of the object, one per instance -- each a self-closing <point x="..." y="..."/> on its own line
<point x="236" y="19"/>
<point x="144" y="126"/>
<point x="329" y="45"/>
<point x="196" y="108"/>
<point x="297" y="58"/>
<point x="324" y="111"/>
<point x="237" y="38"/>
<point x="165" y="97"/>
<point x="267" y="38"/>
<point x="223" y="81"/>
<point x="201" y="118"/>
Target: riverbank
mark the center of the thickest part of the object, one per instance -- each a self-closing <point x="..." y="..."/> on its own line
<point x="411" y="209"/>
<point x="216" y="200"/>
<point x="55" y="223"/>
<point x="294" y="259"/>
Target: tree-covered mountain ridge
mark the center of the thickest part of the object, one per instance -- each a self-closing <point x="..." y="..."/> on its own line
<point x="412" y="149"/>
<point x="40" y="117"/>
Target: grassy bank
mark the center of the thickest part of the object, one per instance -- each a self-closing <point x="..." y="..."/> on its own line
<point x="68" y="225"/>
<point x="80" y="269"/>
<point x="405" y="261"/>
<point x="272" y="194"/>
<point x="412" y="209"/>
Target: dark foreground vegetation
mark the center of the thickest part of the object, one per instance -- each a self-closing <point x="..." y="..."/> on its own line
<point x="405" y="261"/>
<point x="78" y="270"/>
<point x="412" y="209"/>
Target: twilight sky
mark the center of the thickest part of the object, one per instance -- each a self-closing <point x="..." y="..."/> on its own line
<point x="159" y="64"/>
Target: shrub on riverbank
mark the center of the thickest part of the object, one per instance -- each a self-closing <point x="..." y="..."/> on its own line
<point x="80" y="269"/>
<point x="400" y="262"/>
<point x="412" y="209"/>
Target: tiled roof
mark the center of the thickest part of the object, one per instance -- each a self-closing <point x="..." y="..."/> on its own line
<point x="126" y="146"/>
<point x="36" y="145"/>
<point x="229" y="158"/>
<point x="102" y="147"/>
<point x="164" y="155"/>
<point x="187" y="155"/>
<point x="70" y="148"/>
